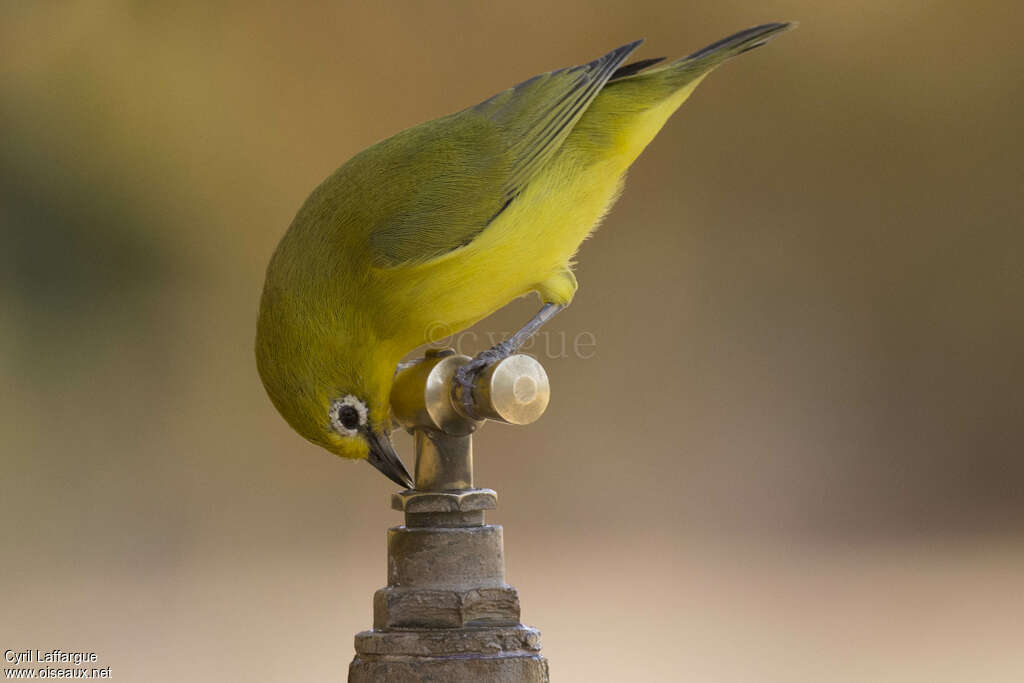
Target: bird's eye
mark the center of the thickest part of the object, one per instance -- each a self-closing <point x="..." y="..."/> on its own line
<point x="348" y="415"/>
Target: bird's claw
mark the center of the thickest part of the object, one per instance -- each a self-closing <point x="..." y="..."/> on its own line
<point x="465" y="376"/>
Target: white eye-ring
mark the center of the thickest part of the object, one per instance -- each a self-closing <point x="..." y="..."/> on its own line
<point x="348" y="415"/>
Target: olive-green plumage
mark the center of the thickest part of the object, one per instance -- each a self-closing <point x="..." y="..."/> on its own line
<point x="444" y="223"/>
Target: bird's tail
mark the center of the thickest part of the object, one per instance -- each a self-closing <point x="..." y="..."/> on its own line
<point x="731" y="46"/>
<point x="640" y="97"/>
<point x="681" y="71"/>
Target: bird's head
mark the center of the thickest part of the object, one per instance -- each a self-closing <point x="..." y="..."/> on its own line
<point x="332" y="389"/>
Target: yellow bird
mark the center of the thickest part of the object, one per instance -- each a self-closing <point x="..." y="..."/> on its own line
<point x="446" y="222"/>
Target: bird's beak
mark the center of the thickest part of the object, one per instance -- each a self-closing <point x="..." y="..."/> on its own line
<point x="384" y="458"/>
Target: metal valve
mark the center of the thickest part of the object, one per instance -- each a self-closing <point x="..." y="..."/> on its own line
<point x="447" y="612"/>
<point x="514" y="390"/>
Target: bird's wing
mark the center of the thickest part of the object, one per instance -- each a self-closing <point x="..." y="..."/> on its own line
<point x="469" y="166"/>
<point x="537" y="116"/>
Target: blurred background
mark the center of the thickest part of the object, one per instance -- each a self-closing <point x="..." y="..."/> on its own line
<point x="793" y="452"/>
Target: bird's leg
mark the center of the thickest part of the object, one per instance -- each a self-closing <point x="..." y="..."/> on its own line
<point x="466" y="375"/>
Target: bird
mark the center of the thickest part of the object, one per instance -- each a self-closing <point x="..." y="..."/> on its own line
<point x="448" y="221"/>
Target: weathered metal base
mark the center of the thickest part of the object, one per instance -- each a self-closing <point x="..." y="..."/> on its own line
<point x="467" y="655"/>
<point x="447" y="613"/>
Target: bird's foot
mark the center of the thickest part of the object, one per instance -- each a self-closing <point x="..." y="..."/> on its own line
<point x="466" y="375"/>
